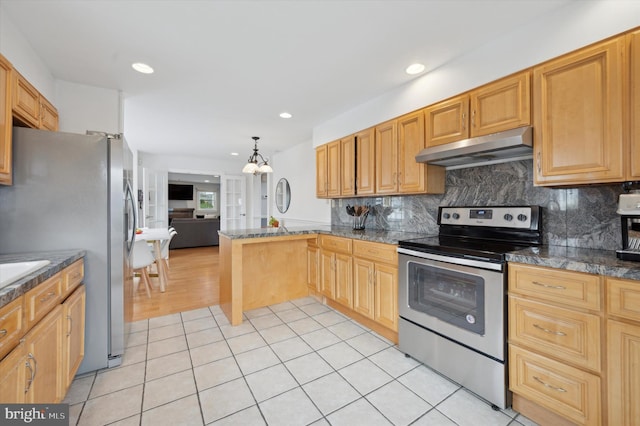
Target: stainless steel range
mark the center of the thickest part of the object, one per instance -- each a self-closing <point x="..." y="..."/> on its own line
<point x="452" y="294"/>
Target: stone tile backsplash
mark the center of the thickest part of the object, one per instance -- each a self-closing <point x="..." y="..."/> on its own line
<point x="574" y="217"/>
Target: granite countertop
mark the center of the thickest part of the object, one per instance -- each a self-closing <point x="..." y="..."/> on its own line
<point x="600" y="262"/>
<point x="59" y="259"/>
<point x="375" y="235"/>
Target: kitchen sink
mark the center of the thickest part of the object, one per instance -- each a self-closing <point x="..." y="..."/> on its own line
<point x="12" y="272"/>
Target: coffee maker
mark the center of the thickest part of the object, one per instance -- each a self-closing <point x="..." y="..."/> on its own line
<point x="629" y="211"/>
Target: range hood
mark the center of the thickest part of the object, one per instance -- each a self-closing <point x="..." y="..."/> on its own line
<point x="510" y="145"/>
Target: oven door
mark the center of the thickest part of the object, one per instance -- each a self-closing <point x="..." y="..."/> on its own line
<point x="462" y="303"/>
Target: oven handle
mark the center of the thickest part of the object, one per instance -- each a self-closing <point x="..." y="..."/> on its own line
<point x="454" y="260"/>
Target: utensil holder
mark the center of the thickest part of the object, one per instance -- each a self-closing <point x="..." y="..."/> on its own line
<point x="358" y="222"/>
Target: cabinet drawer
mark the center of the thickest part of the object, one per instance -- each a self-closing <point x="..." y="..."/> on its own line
<point x="568" y="288"/>
<point x="336" y="244"/>
<point x="565" y="390"/>
<point x="42" y="299"/>
<point x="72" y="276"/>
<point x="386" y="253"/>
<point x="561" y="333"/>
<point x="623" y="298"/>
<point x="11" y="325"/>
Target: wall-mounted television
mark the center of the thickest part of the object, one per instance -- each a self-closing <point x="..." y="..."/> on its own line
<point x="180" y="191"/>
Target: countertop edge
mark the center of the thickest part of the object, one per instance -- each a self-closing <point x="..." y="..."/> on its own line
<point x="59" y="259"/>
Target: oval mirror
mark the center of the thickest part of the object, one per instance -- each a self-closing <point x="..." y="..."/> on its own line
<point x="283" y="195"/>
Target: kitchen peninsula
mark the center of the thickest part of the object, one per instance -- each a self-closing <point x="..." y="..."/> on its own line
<point x="261" y="267"/>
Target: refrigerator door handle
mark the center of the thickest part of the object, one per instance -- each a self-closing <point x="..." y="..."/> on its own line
<point x="131" y="202"/>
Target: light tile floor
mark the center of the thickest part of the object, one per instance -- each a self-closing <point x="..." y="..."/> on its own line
<point x="295" y="363"/>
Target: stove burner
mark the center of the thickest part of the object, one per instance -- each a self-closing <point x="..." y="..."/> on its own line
<point x="482" y="233"/>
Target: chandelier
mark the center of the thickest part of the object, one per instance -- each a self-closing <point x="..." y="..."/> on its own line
<point x="253" y="166"/>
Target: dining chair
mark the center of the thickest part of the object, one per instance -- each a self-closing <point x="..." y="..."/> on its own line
<point x="164" y="248"/>
<point x="142" y="258"/>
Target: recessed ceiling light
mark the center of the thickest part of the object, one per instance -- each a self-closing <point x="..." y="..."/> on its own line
<point x="285" y="115"/>
<point x="143" y="68"/>
<point x="414" y="69"/>
<point x="206" y="181"/>
<point x="234" y="154"/>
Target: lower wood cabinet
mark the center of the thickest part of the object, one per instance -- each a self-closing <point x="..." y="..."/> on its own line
<point x="313" y="266"/>
<point x="365" y="280"/>
<point x="555" y="342"/>
<point x="41" y="365"/>
<point x="73" y="315"/>
<point x="623" y="351"/>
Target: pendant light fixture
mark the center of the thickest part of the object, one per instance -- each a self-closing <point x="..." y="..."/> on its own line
<point x="253" y="166"/>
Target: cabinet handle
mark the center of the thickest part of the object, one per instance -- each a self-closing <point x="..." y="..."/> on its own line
<point x="556" y="287"/>
<point x="547" y="385"/>
<point x="3" y="333"/>
<point x="464" y="121"/>
<point x="48" y="296"/>
<point x="70" y="325"/>
<point x="546" y="330"/>
<point x="33" y="371"/>
<point x="538" y="163"/>
<point x="473" y="118"/>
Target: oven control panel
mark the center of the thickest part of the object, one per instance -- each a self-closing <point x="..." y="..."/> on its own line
<point x="519" y="217"/>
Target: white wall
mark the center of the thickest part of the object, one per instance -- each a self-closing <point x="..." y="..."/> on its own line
<point x="576" y="25"/>
<point x="297" y="165"/>
<point x="83" y="108"/>
<point x="18" y="51"/>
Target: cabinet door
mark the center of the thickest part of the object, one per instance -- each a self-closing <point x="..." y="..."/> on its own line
<point x="363" y="290"/>
<point x="333" y="169"/>
<point x="447" y="121"/>
<point x="348" y="166"/>
<point x="343" y="280"/>
<point x="503" y="105"/>
<point x="48" y="115"/>
<point x="327" y="273"/>
<point x="411" y="174"/>
<point x="386" y="296"/>
<point x="365" y="162"/>
<point x="5" y="122"/>
<point x="73" y="337"/>
<point x="386" y="158"/>
<point x="623" y="341"/>
<point x="634" y="92"/>
<point x="13" y="377"/>
<point x="43" y="345"/>
<point x="26" y="101"/>
<point x="313" y="269"/>
<point x="321" y="171"/>
<point x="578" y="116"/>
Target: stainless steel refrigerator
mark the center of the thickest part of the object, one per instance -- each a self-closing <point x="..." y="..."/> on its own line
<point x="74" y="191"/>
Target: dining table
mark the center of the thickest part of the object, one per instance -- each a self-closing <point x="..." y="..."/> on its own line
<point x="156" y="236"/>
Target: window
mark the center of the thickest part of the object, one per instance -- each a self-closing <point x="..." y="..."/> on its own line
<point x="206" y="200"/>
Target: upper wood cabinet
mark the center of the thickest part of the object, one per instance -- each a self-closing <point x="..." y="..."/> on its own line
<point x="386" y="157"/>
<point x="30" y="107"/>
<point x="347" y="166"/>
<point x="5" y="122"/>
<point x="447" y="121"/>
<point x="397" y="143"/>
<point x="321" y="171"/>
<point x="328" y="170"/>
<point x="502" y="105"/>
<point x="366" y="162"/>
<point x="578" y="116"/>
<point x="634" y="103"/>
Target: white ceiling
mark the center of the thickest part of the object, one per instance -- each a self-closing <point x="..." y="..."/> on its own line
<point x="226" y="69"/>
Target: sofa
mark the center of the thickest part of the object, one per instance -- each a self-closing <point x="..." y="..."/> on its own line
<point x="195" y="233"/>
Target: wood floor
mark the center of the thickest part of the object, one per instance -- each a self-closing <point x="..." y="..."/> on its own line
<point x="193" y="283"/>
